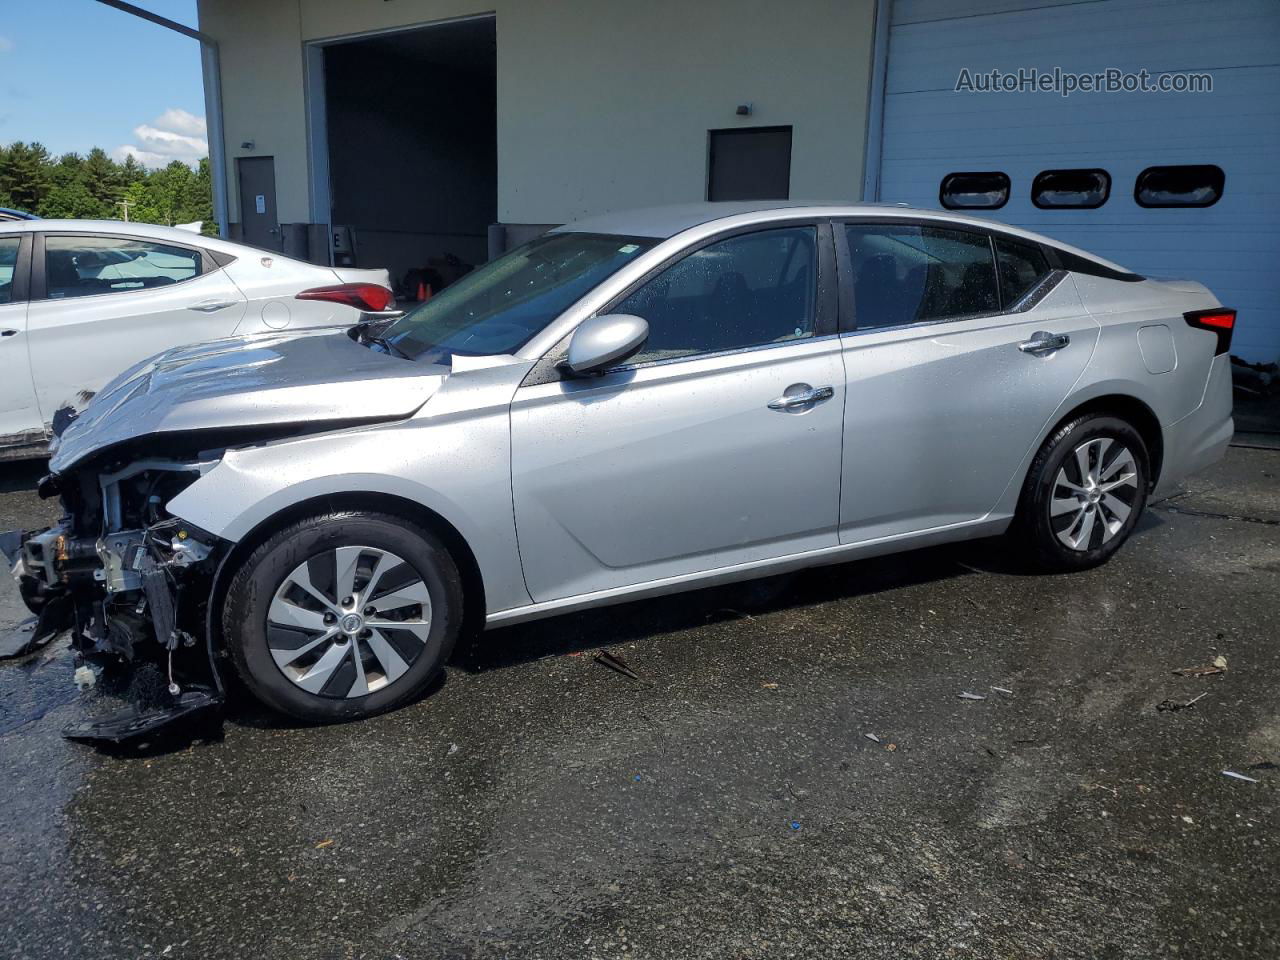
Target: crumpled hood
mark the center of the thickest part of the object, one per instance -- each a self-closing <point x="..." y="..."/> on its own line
<point x="254" y="381"/>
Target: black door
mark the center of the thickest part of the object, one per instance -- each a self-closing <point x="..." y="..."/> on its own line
<point x="749" y="164"/>
<point x="258" y="223"/>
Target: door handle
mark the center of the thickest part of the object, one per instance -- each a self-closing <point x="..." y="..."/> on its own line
<point x="8" y="333"/>
<point x="209" y="306"/>
<point x="807" y="395"/>
<point x="1042" y="343"/>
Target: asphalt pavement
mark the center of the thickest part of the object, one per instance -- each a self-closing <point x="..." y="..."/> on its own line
<point x="794" y="774"/>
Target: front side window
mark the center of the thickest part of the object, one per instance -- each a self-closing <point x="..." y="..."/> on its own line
<point x="1189" y="185"/>
<point x="499" y="307"/>
<point x="974" y="191"/>
<point x="746" y="291"/>
<point x="912" y="274"/>
<point x="8" y="261"/>
<point x="1066" y="189"/>
<point x="1022" y="265"/>
<point x="88" y="266"/>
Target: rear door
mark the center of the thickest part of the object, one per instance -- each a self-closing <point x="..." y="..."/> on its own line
<point x="702" y="451"/>
<point x="20" y="421"/>
<point x="101" y="303"/>
<point x="950" y="381"/>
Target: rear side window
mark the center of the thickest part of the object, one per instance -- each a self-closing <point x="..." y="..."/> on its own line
<point x="1071" y="189"/>
<point x="89" y="266"/>
<point x="1190" y="185"/>
<point x="974" y="191"/>
<point x="746" y="291"/>
<point x="909" y="274"/>
<point x="8" y="261"/>
<point x="1022" y="265"/>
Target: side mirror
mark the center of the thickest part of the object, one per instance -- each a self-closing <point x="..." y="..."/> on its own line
<point x="603" y="342"/>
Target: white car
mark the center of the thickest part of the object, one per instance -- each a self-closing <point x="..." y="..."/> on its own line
<point x="82" y="300"/>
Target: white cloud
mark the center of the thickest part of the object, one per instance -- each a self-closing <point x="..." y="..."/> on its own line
<point x="5" y="44"/>
<point x="174" y="135"/>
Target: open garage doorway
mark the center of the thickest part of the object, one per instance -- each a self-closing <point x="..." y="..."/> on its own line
<point x="404" y="160"/>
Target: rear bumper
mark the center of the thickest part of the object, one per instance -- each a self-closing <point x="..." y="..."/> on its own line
<point x="1199" y="439"/>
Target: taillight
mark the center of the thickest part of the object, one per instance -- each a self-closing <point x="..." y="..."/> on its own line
<point x="1219" y="320"/>
<point x="362" y="296"/>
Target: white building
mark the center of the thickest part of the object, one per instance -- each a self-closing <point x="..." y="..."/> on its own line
<point x="408" y="129"/>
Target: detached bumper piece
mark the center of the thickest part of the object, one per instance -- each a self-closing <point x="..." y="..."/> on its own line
<point x="133" y="726"/>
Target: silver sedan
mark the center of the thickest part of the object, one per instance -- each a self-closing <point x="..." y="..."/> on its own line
<point x="627" y="406"/>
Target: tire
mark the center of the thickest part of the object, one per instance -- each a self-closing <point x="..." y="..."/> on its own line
<point x="287" y="625"/>
<point x="1052" y="526"/>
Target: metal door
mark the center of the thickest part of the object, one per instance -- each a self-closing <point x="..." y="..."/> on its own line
<point x="676" y="468"/>
<point x="939" y="416"/>
<point x="259" y="224"/>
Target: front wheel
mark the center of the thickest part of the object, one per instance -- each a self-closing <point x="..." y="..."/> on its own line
<point x="1084" y="493"/>
<point x="343" y="616"/>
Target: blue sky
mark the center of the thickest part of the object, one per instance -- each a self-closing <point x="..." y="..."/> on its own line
<point x="76" y="74"/>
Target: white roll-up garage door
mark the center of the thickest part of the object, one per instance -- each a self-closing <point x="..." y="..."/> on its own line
<point x="930" y="130"/>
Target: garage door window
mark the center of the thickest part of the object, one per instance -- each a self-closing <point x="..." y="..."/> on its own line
<point x="974" y="191"/>
<point x="8" y="260"/>
<point x="88" y="266"/>
<point x="1191" y="185"/>
<point x="907" y="274"/>
<point x="750" y="290"/>
<point x="1071" y="189"/>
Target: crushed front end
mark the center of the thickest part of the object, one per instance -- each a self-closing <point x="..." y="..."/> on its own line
<point x="131" y="583"/>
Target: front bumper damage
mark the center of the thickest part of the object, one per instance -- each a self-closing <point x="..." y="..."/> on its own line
<point x="132" y="586"/>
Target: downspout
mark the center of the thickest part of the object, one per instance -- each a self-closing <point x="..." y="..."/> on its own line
<point x="875" y="102"/>
<point x="212" y="73"/>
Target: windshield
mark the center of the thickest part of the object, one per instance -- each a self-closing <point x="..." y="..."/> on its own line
<point x="499" y="307"/>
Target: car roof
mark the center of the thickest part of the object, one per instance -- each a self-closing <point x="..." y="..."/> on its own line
<point x="664" y="222"/>
<point x="145" y="231"/>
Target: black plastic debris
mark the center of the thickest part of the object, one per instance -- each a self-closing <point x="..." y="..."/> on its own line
<point x="615" y="663"/>
<point x="132" y="724"/>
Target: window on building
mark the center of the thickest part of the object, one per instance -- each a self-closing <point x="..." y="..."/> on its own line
<point x="908" y="274"/>
<point x="88" y="266"/>
<point x="1188" y="185"/>
<point x="8" y="261"/>
<point x="750" y="163"/>
<point x="974" y="191"/>
<point x="1071" y="189"/>
<point x="749" y="290"/>
<point x="1022" y="266"/>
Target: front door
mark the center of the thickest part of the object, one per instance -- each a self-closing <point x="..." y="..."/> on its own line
<point x="945" y="400"/>
<point x="20" y="422"/>
<point x="703" y="451"/>
<point x="259" y="224"/>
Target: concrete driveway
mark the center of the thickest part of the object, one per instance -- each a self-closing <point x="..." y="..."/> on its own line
<point x="730" y="802"/>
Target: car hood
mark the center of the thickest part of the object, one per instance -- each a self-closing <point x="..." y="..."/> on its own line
<point x="316" y="378"/>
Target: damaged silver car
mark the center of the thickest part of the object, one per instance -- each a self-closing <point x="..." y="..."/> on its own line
<point x="630" y="406"/>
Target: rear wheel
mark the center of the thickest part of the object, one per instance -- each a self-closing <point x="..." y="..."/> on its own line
<point x="1084" y="493"/>
<point x="343" y="616"/>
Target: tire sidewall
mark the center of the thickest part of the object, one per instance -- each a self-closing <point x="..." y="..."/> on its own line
<point x="253" y="587"/>
<point x="1048" y="548"/>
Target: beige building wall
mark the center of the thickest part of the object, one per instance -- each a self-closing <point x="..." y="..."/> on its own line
<point x="602" y="104"/>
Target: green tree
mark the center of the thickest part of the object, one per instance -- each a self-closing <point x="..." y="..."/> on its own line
<point x="102" y="177"/>
<point x="24" y="174"/>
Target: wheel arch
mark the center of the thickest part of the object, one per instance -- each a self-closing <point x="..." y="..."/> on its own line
<point x="1128" y="408"/>
<point x="473" y="591"/>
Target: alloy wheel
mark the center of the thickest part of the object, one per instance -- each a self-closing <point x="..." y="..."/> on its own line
<point x="349" y="621"/>
<point x="1093" y="494"/>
